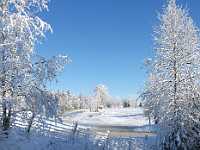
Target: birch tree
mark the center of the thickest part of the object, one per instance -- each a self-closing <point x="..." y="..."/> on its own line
<point x="22" y="71"/>
<point x="172" y="95"/>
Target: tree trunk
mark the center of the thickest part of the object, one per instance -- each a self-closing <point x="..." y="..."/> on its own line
<point x="4" y="116"/>
<point x="6" y="119"/>
<point x="175" y="81"/>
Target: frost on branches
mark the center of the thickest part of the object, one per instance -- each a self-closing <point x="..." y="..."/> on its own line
<point x="24" y="74"/>
<point x="172" y="91"/>
<point x="69" y="101"/>
<point x="101" y="97"/>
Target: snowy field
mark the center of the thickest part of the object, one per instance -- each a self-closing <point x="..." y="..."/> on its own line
<point x="18" y="140"/>
<point x="118" y="116"/>
<point x="124" y="121"/>
<point x="129" y="130"/>
<point x="123" y="124"/>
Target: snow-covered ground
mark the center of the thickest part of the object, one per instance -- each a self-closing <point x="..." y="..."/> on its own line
<point x="123" y="123"/>
<point x="120" y="122"/>
<point x="124" y="117"/>
<point x="19" y="140"/>
<point x="117" y="116"/>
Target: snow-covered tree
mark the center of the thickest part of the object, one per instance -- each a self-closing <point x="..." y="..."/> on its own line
<point x="65" y="100"/>
<point x="40" y="104"/>
<point x="23" y="72"/>
<point x="172" y="92"/>
<point x="101" y="96"/>
<point x="68" y="101"/>
<point x="151" y="98"/>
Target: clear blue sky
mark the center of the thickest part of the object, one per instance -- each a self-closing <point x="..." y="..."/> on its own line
<point x="107" y="41"/>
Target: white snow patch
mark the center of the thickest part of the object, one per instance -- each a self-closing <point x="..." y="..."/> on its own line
<point x="112" y="116"/>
